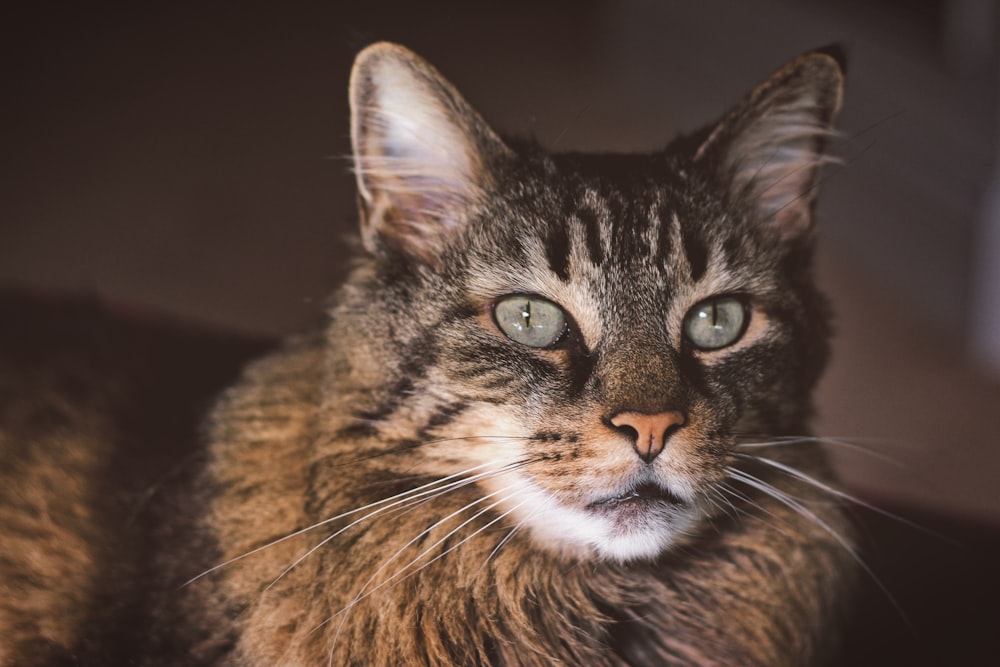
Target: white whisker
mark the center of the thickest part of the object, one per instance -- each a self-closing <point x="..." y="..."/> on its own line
<point x="724" y="504"/>
<point x="412" y="447"/>
<point x="392" y="580"/>
<point x="790" y="502"/>
<point x="400" y="505"/>
<point x="783" y="526"/>
<point x="500" y="545"/>
<point x="798" y="474"/>
<point x="416" y="492"/>
<point x="853" y="444"/>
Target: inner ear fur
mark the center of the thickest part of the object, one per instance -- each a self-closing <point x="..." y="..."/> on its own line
<point x="423" y="158"/>
<point x="770" y="147"/>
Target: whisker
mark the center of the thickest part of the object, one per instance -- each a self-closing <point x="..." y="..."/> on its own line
<point x="862" y="132"/>
<point x="791" y="503"/>
<point x="500" y="545"/>
<point x="798" y="474"/>
<point x="746" y="500"/>
<point x="842" y="163"/>
<point x="409" y="447"/>
<point x="392" y="581"/>
<point x="854" y="444"/>
<point x="720" y="501"/>
<point x="403" y="504"/>
<point x="444" y="553"/>
<point x="576" y="119"/>
<point x="427" y="531"/>
<point x="158" y="485"/>
<point x="416" y="492"/>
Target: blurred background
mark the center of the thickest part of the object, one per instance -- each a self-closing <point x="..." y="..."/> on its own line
<point x="190" y="160"/>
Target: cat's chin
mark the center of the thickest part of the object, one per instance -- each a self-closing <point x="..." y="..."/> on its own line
<point x="640" y="523"/>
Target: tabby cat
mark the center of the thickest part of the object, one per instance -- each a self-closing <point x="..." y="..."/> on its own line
<point x="559" y="416"/>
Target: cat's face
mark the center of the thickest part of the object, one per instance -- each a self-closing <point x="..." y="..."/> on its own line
<point x="591" y="335"/>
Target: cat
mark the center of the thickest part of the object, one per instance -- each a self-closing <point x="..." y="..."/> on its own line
<point x="559" y="415"/>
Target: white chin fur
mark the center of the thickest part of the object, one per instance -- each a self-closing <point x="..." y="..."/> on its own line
<point x="580" y="532"/>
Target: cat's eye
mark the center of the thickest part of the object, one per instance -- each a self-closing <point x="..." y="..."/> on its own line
<point x="530" y="320"/>
<point x="716" y="323"/>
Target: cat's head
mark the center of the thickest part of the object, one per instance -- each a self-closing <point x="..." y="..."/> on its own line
<point x="588" y="333"/>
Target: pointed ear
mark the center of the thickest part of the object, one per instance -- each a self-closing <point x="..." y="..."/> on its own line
<point x="770" y="147"/>
<point x="422" y="156"/>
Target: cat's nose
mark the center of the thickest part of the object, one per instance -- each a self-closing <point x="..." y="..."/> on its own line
<point x="651" y="431"/>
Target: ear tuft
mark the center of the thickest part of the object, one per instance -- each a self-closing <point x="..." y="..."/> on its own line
<point x="422" y="156"/>
<point x="769" y="149"/>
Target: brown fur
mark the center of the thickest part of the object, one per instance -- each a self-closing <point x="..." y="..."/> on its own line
<point x="52" y="450"/>
<point x="758" y="591"/>
<point x="97" y="417"/>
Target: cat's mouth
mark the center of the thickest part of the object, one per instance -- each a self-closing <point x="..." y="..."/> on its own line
<point x="644" y="496"/>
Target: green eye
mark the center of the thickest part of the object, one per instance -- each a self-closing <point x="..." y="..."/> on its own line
<point x="715" y="323"/>
<point x="530" y="320"/>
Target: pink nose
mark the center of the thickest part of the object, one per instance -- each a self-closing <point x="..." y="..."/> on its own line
<point x="651" y="430"/>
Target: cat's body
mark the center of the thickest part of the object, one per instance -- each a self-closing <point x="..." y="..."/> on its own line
<point x="547" y="423"/>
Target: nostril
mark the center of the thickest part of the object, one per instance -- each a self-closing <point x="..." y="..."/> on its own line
<point x="627" y="430"/>
<point x="648" y="433"/>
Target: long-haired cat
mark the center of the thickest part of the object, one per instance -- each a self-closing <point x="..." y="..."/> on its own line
<point x="559" y="414"/>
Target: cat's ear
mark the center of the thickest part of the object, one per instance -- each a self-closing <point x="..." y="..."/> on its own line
<point x="423" y="157"/>
<point x="769" y="148"/>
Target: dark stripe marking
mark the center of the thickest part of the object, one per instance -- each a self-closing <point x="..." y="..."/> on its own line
<point x="442" y="415"/>
<point x="592" y="235"/>
<point x="396" y="394"/>
<point x="697" y="253"/>
<point x="557" y="250"/>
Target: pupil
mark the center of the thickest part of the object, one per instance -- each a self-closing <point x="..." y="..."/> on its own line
<point x="526" y="314"/>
